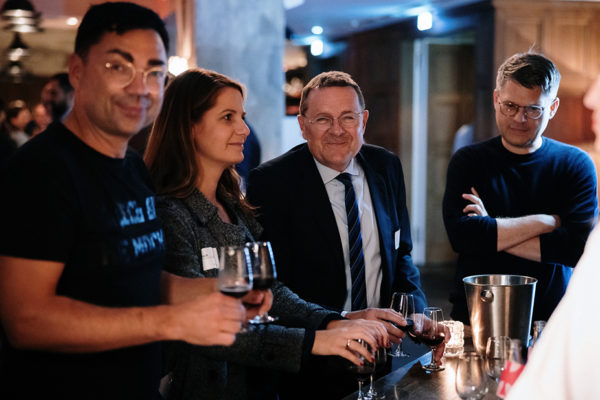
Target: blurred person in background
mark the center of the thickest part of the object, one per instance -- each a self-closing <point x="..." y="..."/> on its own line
<point x="57" y="96"/>
<point x="18" y="117"/>
<point x="41" y="120"/>
<point x="7" y="146"/>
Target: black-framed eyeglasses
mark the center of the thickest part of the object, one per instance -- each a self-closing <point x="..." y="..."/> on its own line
<point x="511" y="109"/>
<point x="347" y="120"/>
<point x="123" y="73"/>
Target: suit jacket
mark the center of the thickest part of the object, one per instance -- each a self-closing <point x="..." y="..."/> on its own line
<point x="295" y="211"/>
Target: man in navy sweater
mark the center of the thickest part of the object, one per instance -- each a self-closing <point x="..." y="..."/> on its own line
<point x="520" y="203"/>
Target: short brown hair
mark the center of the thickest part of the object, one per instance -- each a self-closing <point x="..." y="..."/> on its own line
<point x="530" y="70"/>
<point x="330" y="79"/>
<point x="171" y="154"/>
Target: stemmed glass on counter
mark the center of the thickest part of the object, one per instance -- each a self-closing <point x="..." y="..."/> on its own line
<point x="497" y="352"/>
<point x="432" y="333"/>
<point x="471" y="380"/>
<point x="380" y="361"/>
<point x="363" y="371"/>
<point x="263" y="273"/>
<point x="404" y="303"/>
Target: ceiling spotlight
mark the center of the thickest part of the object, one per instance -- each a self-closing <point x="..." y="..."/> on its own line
<point x="20" y="16"/>
<point x="72" y="21"/>
<point x="316" y="47"/>
<point x="316" y="30"/>
<point x="424" y="21"/>
<point x="177" y="65"/>
<point x="15" y="71"/>
<point x="17" y="49"/>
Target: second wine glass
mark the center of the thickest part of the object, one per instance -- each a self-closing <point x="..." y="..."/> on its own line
<point x="380" y="361"/>
<point x="263" y="273"/>
<point x="362" y="371"/>
<point x="432" y="334"/>
<point x="471" y="380"/>
<point x="404" y="303"/>
<point x="497" y="351"/>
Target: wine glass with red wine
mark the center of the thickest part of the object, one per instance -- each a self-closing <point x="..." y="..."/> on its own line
<point x="235" y="276"/>
<point x="404" y="303"/>
<point x="380" y="362"/>
<point x="263" y="273"/>
<point x="363" y="371"/>
<point x="432" y="334"/>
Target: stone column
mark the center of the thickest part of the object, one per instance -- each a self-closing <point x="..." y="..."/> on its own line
<point x="245" y="40"/>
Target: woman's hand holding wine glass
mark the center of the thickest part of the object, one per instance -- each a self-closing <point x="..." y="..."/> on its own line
<point x="339" y="338"/>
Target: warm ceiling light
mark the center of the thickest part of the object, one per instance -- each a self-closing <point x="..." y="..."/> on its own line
<point x="20" y="16"/>
<point x="17" y="49"/>
<point x="17" y="8"/>
<point x="72" y="21"/>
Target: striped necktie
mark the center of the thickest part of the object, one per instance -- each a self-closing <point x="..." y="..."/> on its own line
<point x="357" y="260"/>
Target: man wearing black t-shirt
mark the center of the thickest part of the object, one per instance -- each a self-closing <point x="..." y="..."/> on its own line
<point x="520" y="203"/>
<point x="80" y="244"/>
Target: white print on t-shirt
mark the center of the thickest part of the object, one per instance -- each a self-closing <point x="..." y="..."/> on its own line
<point x="132" y="213"/>
<point x="147" y="243"/>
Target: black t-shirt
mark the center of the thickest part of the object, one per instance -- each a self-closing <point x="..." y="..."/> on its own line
<point x="63" y="201"/>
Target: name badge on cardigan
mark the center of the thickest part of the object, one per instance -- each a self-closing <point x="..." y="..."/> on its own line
<point x="210" y="258"/>
<point x="397" y="239"/>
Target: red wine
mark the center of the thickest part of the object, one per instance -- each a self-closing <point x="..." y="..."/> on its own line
<point x="408" y="327"/>
<point x="235" y="291"/>
<point x="432" y="341"/>
<point x="262" y="283"/>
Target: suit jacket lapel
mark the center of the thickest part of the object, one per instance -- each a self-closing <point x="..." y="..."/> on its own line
<point x="317" y="207"/>
<point x="381" y="206"/>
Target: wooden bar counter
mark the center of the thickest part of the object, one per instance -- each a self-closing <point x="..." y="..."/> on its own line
<point x="409" y="381"/>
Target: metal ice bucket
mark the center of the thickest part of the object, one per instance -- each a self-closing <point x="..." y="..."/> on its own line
<point x="499" y="305"/>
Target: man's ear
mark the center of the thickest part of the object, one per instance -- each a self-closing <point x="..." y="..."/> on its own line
<point x="554" y="107"/>
<point x="302" y="122"/>
<point x="75" y="70"/>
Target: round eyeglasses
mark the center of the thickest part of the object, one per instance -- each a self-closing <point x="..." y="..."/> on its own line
<point x="511" y="109"/>
<point x="123" y="73"/>
<point x="348" y="120"/>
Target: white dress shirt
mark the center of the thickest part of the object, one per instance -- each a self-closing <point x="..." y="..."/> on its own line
<point x="368" y="227"/>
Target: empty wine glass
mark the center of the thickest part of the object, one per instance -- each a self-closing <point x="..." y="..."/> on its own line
<point x="404" y="303"/>
<point x="380" y="361"/>
<point x="263" y="273"/>
<point x="363" y="371"/>
<point x="497" y="351"/>
<point x="432" y="334"/>
<point x="471" y="380"/>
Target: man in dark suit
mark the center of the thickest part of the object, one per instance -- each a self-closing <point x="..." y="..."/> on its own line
<point x="305" y="208"/>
